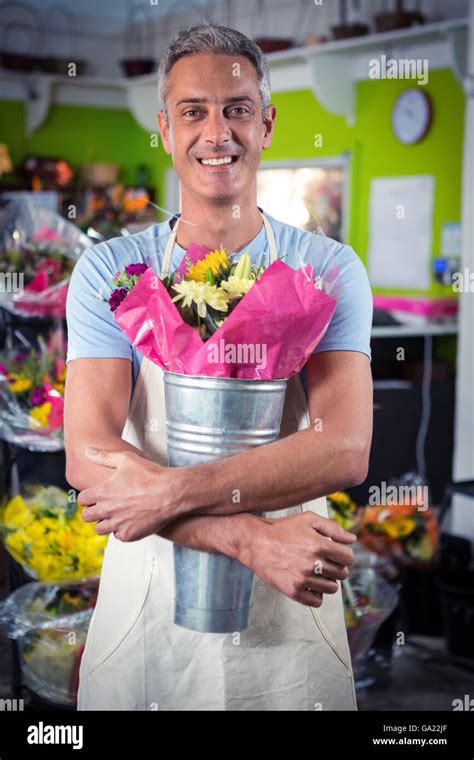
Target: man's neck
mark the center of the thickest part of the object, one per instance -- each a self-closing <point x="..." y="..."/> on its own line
<point x="212" y="226"/>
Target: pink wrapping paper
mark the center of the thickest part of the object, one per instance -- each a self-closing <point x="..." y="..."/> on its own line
<point x="280" y="320"/>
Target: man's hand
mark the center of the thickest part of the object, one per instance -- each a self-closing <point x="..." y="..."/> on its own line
<point x="300" y="552"/>
<point x="138" y="498"/>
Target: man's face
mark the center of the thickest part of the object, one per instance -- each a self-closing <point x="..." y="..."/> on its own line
<point x="215" y="113"/>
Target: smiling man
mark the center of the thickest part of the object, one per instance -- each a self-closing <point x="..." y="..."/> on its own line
<point x="215" y="121"/>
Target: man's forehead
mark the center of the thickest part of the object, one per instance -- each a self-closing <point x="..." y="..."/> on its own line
<point x="215" y="67"/>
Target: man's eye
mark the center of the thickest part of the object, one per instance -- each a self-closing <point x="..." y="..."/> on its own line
<point x="239" y="111"/>
<point x="192" y="112"/>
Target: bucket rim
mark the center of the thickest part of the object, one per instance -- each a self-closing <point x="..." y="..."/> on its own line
<point x="168" y="372"/>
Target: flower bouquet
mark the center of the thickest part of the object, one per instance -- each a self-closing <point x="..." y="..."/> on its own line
<point x="37" y="255"/>
<point x="50" y="623"/>
<point x="402" y="532"/>
<point x="219" y="315"/>
<point x="344" y="510"/>
<point x="44" y="532"/>
<point x="32" y="394"/>
<point x="228" y="334"/>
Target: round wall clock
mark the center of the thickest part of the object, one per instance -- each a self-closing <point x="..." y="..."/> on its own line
<point x="412" y="116"/>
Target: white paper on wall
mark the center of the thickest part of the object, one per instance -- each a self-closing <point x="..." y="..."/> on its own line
<point x="401" y="231"/>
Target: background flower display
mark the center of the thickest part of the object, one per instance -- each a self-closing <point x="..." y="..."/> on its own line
<point x="109" y="210"/>
<point x="38" y="252"/>
<point x="50" y="623"/>
<point x="44" y="532"/>
<point x="401" y="531"/>
<point x="368" y="600"/>
<point x="406" y="533"/>
<point x="32" y="393"/>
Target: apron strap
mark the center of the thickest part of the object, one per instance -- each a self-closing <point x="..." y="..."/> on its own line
<point x="172" y="239"/>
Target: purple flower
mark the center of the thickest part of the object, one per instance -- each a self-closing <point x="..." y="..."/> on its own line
<point x="20" y="356"/>
<point x="3" y="368"/>
<point x="117" y="297"/>
<point x="38" y="396"/>
<point x="134" y="269"/>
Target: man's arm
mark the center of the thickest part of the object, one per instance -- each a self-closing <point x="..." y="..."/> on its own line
<point x="282" y="552"/>
<point x="332" y="454"/>
<point x="329" y="455"/>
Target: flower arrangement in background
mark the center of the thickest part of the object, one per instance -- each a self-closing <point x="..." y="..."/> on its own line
<point x="111" y="209"/>
<point x="38" y="252"/>
<point x="401" y="531"/>
<point x="44" y="532"/>
<point x="40" y="262"/>
<point x="50" y="623"/>
<point x="344" y="510"/>
<point x="6" y="164"/>
<point x="32" y="388"/>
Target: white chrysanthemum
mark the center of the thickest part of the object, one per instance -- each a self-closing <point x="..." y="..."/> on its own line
<point x="203" y="294"/>
<point x="236" y="287"/>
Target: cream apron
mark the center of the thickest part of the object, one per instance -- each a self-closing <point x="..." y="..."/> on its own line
<point x="292" y="657"/>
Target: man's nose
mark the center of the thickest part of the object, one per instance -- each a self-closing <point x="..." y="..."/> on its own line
<point x="216" y="129"/>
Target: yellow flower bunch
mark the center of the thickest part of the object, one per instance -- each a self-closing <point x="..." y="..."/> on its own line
<point x="342" y="509"/>
<point x="213" y="261"/>
<point x="39" y="415"/>
<point x="46" y="534"/>
<point x="19" y="384"/>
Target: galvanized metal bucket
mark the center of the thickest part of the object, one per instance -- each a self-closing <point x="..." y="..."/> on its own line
<point x="210" y="418"/>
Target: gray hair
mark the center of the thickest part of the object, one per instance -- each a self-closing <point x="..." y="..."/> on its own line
<point x="210" y="38"/>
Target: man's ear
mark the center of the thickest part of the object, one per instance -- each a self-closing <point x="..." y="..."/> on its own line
<point x="268" y="127"/>
<point x="164" y="129"/>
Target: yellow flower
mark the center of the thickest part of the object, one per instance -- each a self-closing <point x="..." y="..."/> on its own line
<point x="202" y="294"/>
<point x="235" y="287"/>
<point x="214" y="261"/>
<point x="20" y="383"/>
<point x="38" y="416"/>
<point x="16" y="513"/>
<point x="399" y="528"/>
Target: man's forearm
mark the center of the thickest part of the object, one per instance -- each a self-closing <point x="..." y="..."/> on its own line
<point x="290" y="471"/>
<point x="226" y="534"/>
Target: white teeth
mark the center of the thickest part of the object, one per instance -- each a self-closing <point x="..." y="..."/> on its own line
<point x="216" y="161"/>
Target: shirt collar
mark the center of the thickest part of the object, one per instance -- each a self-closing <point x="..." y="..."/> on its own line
<point x="255" y="246"/>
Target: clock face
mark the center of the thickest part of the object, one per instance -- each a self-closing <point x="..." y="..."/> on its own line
<point x="411" y="116"/>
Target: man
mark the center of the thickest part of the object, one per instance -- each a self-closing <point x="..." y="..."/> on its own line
<point x="215" y="120"/>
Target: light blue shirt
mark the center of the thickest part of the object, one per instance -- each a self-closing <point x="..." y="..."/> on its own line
<point x="93" y="331"/>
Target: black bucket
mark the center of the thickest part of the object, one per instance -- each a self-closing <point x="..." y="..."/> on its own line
<point x="457" y="597"/>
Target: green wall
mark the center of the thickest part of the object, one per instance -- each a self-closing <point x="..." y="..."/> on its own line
<point x="81" y="134"/>
<point x="374" y="150"/>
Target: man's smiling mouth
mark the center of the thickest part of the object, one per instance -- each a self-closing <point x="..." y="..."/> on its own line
<point x="218" y="161"/>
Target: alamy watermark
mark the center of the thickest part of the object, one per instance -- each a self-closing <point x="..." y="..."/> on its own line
<point x="399" y="68"/>
<point x="238" y="353"/>
<point x="386" y="495"/>
<point x="12" y="282"/>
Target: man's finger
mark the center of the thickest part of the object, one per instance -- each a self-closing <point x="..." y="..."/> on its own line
<point x="310" y="598"/>
<point x="87" y="498"/>
<point x="332" y="570"/>
<point x="104" y="527"/>
<point x="322" y="585"/>
<point x="89" y="514"/>
<point x="338" y="553"/>
<point x="332" y="529"/>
